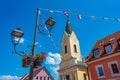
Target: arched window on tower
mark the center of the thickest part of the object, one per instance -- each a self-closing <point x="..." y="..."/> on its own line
<point x="65" y="49"/>
<point x="75" y="48"/>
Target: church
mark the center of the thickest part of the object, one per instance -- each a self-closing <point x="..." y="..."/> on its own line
<point x="72" y="66"/>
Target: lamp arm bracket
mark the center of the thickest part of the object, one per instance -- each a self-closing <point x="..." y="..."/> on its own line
<point x="41" y="32"/>
<point x="19" y="53"/>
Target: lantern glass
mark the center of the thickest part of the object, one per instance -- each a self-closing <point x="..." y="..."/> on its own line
<point x="16" y="35"/>
<point x="16" y="40"/>
<point x="50" y="22"/>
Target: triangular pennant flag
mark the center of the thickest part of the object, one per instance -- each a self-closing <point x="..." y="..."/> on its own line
<point x="92" y="17"/>
<point x="51" y="11"/>
<point x="49" y="34"/>
<point x="53" y="44"/>
<point x="45" y="27"/>
<point x="66" y="13"/>
<point x="105" y="18"/>
<point x="79" y="16"/>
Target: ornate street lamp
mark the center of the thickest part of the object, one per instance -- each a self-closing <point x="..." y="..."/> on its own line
<point x="31" y="60"/>
<point x="16" y="36"/>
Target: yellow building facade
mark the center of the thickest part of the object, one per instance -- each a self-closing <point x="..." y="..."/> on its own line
<point x="72" y="66"/>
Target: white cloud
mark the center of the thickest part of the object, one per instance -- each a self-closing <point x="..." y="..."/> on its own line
<point x="9" y="77"/>
<point x="53" y="58"/>
<point x="17" y="39"/>
<point x="50" y="60"/>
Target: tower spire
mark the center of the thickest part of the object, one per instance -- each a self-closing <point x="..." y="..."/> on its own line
<point x="68" y="27"/>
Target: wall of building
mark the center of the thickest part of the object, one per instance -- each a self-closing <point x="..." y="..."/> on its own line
<point x="80" y="72"/>
<point x="108" y="76"/>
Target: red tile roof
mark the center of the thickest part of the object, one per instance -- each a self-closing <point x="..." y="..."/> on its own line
<point x="100" y="44"/>
<point x="26" y="77"/>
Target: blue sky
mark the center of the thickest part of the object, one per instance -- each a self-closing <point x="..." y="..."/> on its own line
<point x="22" y="13"/>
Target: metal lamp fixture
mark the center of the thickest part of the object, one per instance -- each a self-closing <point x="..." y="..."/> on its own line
<point x="17" y="32"/>
<point x="16" y="35"/>
<point x="50" y="22"/>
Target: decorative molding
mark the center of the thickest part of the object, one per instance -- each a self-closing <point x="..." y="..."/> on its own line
<point x="67" y="71"/>
<point x="103" y="58"/>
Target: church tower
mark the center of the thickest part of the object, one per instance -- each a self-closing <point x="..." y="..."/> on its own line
<point x="72" y="66"/>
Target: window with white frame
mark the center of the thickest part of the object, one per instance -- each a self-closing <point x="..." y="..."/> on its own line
<point x="111" y="39"/>
<point x="113" y="66"/>
<point x="119" y="41"/>
<point x="100" y="71"/>
<point x="37" y="78"/>
<point x="108" y="48"/>
<point x="48" y="78"/>
<point x="45" y="78"/>
<point x="41" y="78"/>
<point x="96" y="52"/>
<point x="119" y="44"/>
<point x="101" y="43"/>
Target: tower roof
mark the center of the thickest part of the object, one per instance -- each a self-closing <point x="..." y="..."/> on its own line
<point x="68" y="27"/>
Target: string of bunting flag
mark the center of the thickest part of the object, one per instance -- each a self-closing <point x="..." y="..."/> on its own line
<point x="66" y="13"/>
<point x="49" y="35"/>
<point x="79" y="16"/>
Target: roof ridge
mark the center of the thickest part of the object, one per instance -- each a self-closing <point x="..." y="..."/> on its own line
<point x="109" y="35"/>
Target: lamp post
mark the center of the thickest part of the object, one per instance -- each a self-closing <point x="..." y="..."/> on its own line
<point x="16" y="36"/>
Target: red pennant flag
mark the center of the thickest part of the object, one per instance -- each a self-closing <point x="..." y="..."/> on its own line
<point x="66" y="13"/>
<point x="79" y="16"/>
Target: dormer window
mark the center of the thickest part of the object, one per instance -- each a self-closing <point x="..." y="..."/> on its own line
<point x="96" y="52"/>
<point x="119" y="44"/>
<point x="101" y="43"/>
<point x="65" y="49"/>
<point x="111" y="39"/>
<point x="75" y="49"/>
<point x="108" y="48"/>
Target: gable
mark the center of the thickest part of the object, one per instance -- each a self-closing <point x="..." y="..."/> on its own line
<point x="41" y="72"/>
